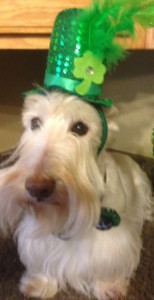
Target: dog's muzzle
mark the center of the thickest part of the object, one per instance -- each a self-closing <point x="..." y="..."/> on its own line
<point x="40" y="188"/>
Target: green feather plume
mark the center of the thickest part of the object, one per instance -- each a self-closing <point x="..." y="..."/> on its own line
<point x="108" y="19"/>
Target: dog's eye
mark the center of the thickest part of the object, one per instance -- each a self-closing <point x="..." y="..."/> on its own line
<point x="35" y="123"/>
<point x="79" y="128"/>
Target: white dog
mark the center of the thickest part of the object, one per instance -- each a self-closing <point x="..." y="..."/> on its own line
<point x="53" y="196"/>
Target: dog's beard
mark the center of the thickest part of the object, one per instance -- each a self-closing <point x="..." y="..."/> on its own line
<point x="69" y="212"/>
<point x="74" y="206"/>
<point x="83" y="210"/>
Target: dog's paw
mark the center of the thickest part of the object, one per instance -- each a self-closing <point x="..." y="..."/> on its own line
<point x="108" y="291"/>
<point x="38" y="286"/>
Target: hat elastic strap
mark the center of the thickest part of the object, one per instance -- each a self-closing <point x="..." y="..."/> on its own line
<point x="105" y="128"/>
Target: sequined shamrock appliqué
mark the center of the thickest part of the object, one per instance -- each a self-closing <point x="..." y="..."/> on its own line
<point x="90" y="69"/>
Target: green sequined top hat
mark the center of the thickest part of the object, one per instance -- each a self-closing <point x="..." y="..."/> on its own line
<point x="83" y="45"/>
<point x="69" y="66"/>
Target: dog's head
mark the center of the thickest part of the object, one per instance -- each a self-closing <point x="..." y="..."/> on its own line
<point x="57" y="171"/>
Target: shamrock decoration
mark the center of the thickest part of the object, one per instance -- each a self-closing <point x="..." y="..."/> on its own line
<point x="90" y="69"/>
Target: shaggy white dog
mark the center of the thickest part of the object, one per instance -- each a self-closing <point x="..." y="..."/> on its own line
<point x="54" y="194"/>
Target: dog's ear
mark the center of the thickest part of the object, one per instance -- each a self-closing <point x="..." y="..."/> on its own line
<point x="110" y="114"/>
<point x="10" y="207"/>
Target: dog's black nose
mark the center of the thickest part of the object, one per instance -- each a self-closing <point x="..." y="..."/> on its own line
<point x="39" y="188"/>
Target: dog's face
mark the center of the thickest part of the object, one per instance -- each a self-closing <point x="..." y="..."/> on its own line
<point x="59" y="149"/>
<point x="59" y="174"/>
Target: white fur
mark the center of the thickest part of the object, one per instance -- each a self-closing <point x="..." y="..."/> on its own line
<point x="57" y="239"/>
